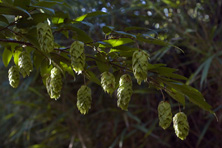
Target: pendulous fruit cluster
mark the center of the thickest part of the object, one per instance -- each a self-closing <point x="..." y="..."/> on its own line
<point x="77" y="56"/>
<point x="45" y="37"/>
<point x="140" y="65"/>
<point x="124" y="92"/>
<point x="54" y="83"/>
<point x="108" y="82"/>
<point x="181" y="125"/>
<point x="164" y="114"/>
<point x="84" y="99"/>
<point x="25" y="64"/>
<point x="13" y="76"/>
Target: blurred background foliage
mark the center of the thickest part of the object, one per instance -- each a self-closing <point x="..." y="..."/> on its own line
<point x="29" y="118"/>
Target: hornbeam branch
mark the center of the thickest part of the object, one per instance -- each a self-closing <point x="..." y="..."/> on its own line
<point x="14" y="41"/>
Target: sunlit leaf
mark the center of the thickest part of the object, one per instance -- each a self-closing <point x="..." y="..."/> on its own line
<point x="81" y="18"/>
<point x="117" y="42"/>
<point x="6" y="57"/>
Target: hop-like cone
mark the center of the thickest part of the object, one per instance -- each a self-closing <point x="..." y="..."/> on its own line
<point x="25" y="64"/>
<point x="77" y="56"/>
<point x="108" y="82"/>
<point x="45" y="37"/>
<point x="124" y="92"/>
<point x="54" y="83"/>
<point x="140" y="65"/>
<point x="13" y="76"/>
<point x="164" y="114"/>
<point x="84" y="99"/>
<point x="181" y="125"/>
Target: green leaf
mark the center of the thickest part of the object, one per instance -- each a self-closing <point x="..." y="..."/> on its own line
<point x="108" y="29"/>
<point x="36" y="18"/>
<point x="49" y="11"/>
<point x="169" y="2"/>
<point x="6" y="57"/>
<point x="124" y="51"/>
<point x="124" y="33"/>
<point x="123" y="48"/>
<point x="24" y="4"/>
<point x="174" y="76"/>
<point x="79" y="34"/>
<point x="157" y="42"/>
<point x="152" y="41"/>
<point x="68" y="69"/>
<point x="102" y="63"/>
<point x="12" y="10"/>
<point x="192" y="94"/>
<point x="7" y="1"/>
<point x="134" y="28"/>
<point x="117" y="42"/>
<point x="65" y="33"/>
<point x="81" y="18"/>
<point x="16" y="56"/>
<point x="45" y="69"/>
<point x="206" y="67"/>
<point x="154" y="66"/>
<point x="176" y="95"/>
<point x="3" y="24"/>
<point x="60" y="58"/>
<point x="92" y="77"/>
<point x="57" y="20"/>
<point x="49" y="4"/>
<point x="3" y="19"/>
<point x="163" y="70"/>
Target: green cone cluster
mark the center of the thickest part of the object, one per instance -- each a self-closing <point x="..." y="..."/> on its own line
<point x="124" y="92"/>
<point x="140" y="65"/>
<point x="45" y="37"/>
<point x="164" y="114"/>
<point x="13" y="76"/>
<point x="84" y="99"/>
<point x="25" y="64"/>
<point x="108" y="82"/>
<point x="54" y="83"/>
<point x="77" y="56"/>
<point x="181" y="125"/>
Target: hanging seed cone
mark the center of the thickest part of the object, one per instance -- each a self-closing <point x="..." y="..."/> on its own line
<point x="140" y="65"/>
<point x="25" y="64"/>
<point x="108" y="82"/>
<point x="13" y="76"/>
<point x="164" y="114"/>
<point x="45" y="37"/>
<point x="54" y="83"/>
<point x="77" y="56"/>
<point x="124" y="92"/>
<point x="181" y="125"/>
<point x="84" y="99"/>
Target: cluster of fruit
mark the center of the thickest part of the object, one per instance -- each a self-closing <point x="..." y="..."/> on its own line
<point x="180" y="123"/>
<point x="24" y="67"/>
<point x="84" y="99"/>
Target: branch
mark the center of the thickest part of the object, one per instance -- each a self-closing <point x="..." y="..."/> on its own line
<point x="8" y="26"/>
<point x="111" y="63"/>
<point x="60" y="49"/>
<point x="15" y="41"/>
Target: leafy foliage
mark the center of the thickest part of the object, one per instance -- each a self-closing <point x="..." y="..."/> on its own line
<point x="106" y="48"/>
